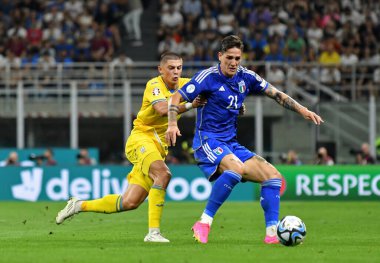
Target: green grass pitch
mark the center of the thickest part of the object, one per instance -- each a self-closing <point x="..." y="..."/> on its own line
<point x="336" y="232"/>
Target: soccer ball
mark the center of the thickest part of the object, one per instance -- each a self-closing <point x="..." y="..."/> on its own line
<point x="291" y="231"/>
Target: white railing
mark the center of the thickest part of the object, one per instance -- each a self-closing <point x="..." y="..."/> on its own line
<point x="352" y="83"/>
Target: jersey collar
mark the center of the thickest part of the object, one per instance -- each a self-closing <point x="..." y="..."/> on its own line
<point x="170" y="90"/>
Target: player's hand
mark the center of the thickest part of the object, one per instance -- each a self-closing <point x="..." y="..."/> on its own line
<point x="171" y="134"/>
<point x="199" y="101"/>
<point x="312" y="116"/>
<point x="242" y="109"/>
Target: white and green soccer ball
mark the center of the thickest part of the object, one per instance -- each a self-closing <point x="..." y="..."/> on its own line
<point x="291" y="231"/>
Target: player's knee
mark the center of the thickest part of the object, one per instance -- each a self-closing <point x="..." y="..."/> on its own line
<point x="165" y="176"/>
<point x="130" y="205"/>
<point x="239" y="170"/>
<point x="274" y="174"/>
<point x="162" y="177"/>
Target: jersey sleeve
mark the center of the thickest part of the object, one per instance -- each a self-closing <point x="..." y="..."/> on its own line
<point x="256" y="83"/>
<point x="194" y="87"/>
<point x="153" y="93"/>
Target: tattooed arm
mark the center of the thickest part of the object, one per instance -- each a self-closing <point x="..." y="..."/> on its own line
<point x="289" y="103"/>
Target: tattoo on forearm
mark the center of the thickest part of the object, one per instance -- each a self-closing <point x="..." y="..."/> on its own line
<point x="283" y="99"/>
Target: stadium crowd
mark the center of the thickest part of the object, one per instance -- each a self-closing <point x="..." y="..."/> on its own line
<point x="338" y="34"/>
<point x="43" y="33"/>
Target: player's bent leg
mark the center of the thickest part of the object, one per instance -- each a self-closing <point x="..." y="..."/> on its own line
<point x="257" y="169"/>
<point x="160" y="174"/>
<point x="133" y="197"/>
<point x="230" y="169"/>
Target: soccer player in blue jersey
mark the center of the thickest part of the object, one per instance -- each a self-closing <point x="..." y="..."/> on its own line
<point x="216" y="149"/>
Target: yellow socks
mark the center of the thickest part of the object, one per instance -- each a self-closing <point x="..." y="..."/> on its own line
<point x="107" y="204"/>
<point x="156" y="202"/>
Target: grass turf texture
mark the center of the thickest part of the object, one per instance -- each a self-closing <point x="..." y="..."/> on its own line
<point x="336" y="232"/>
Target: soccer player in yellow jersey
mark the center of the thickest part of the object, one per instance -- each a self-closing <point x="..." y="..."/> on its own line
<point x="146" y="149"/>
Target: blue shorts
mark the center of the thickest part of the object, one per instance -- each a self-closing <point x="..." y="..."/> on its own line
<point x="212" y="151"/>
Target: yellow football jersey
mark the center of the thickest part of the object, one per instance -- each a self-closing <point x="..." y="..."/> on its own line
<point x="148" y="119"/>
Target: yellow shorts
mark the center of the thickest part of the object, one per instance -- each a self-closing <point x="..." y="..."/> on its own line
<point x="142" y="149"/>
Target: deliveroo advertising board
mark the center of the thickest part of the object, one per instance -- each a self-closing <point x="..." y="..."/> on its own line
<point x="92" y="182"/>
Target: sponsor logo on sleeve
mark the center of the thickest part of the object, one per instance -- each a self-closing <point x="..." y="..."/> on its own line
<point x="190" y="88"/>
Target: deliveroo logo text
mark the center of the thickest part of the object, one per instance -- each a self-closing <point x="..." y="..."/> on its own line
<point x="30" y="187"/>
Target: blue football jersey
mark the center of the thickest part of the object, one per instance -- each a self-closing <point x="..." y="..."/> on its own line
<point x="218" y="118"/>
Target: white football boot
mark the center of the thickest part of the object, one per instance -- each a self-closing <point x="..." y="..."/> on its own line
<point x="68" y="211"/>
<point x="155" y="236"/>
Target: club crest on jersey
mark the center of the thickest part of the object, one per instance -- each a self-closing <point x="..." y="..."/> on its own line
<point x="218" y="151"/>
<point x="156" y="91"/>
<point x="242" y="87"/>
<point x="142" y="149"/>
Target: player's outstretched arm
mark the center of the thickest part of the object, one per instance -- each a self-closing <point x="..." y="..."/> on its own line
<point x="289" y="103"/>
<point x="162" y="107"/>
<point x="173" y="131"/>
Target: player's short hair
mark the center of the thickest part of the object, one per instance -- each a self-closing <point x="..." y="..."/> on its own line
<point x="169" y="56"/>
<point x="231" y="42"/>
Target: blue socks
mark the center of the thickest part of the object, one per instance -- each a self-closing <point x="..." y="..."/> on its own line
<point x="221" y="190"/>
<point x="270" y="200"/>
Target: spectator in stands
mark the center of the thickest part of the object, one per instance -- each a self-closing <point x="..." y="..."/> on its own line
<point x="49" y="158"/>
<point x="295" y="43"/>
<point x="172" y="19"/>
<point x="192" y="8"/>
<point x="348" y="62"/>
<point x="330" y="74"/>
<point x="277" y="28"/>
<point x="275" y="54"/>
<point x="34" y="34"/>
<point x="101" y="48"/>
<point x="226" y="21"/>
<point x="314" y="35"/>
<point x="276" y="76"/>
<point x="85" y="19"/>
<point x="73" y="8"/>
<point x="364" y="156"/>
<point x="16" y="45"/>
<point x="53" y="15"/>
<point x="84" y="158"/>
<point x="12" y="159"/>
<point x="15" y="64"/>
<point x="121" y="65"/>
<point x="106" y="14"/>
<point x="121" y="61"/>
<point x="168" y="44"/>
<point x="17" y="30"/>
<point x="292" y="158"/>
<point x="82" y="50"/>
<point x="132" y="21"/>
<point x="46" y="63"/>
<point x="186" y="48"/>
<point x="52" y="32"/>
<point x="207" y="21"/>
<point x="323" y="158"/>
